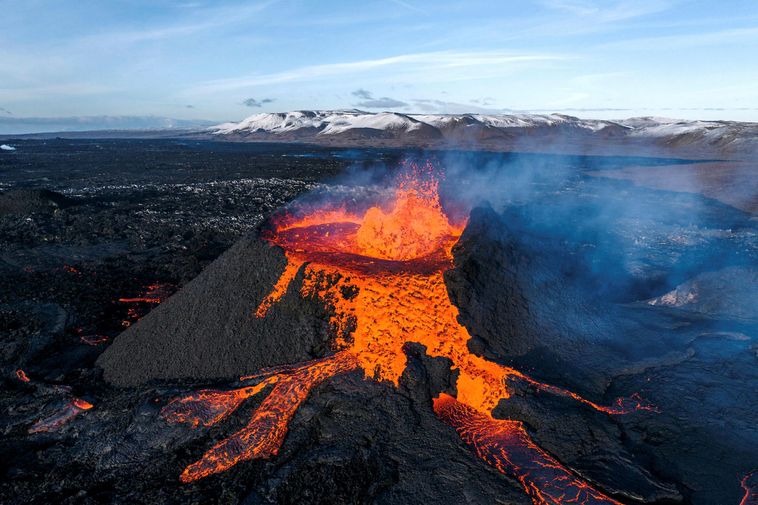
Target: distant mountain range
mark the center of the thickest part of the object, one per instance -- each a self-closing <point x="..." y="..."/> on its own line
<point x="507" y="132"/>
<point x="547" y="133"/>
<point x="12" y="125"/>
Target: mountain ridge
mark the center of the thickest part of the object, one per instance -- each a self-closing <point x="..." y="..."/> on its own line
<point x="524" y="132"/>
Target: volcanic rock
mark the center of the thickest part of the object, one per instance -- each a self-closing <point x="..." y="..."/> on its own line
<point x="531" y="300"/>
<point x="208" y="330"/>
<point x="726" y="293"/>
<point x="26" y="201"/>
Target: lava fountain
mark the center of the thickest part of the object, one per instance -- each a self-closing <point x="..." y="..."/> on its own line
<point x="381" y="275"/>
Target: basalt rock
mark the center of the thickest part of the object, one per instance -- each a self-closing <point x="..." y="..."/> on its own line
<point x="531" y="300"/>
<point x="208" y="330"/>
<point x="26" y="201"/>
<point x="728" y="293"/>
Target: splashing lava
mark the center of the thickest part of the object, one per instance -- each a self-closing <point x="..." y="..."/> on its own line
<point x="381" y="274"/>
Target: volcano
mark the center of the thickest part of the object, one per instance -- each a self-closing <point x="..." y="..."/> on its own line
<point x="324" y="291"/>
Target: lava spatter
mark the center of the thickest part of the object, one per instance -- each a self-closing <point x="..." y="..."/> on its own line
<point x="381" y="276"/>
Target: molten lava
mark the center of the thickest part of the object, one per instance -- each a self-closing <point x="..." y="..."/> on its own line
<point x="93" y="340"/>
<point x="381" y="276"/>
<point x="265" y="432"/>
<point x="153" y="294"/>
<point x="507" y="446"/>
<point x="749" y="484"/>
<point x="21" y="375"/>
<point x="70" y="410"/>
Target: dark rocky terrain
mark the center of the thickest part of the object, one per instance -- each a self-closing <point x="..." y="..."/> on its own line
<point x="556" y="276"/>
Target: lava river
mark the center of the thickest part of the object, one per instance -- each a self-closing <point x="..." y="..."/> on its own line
<point x="380" y="273"/>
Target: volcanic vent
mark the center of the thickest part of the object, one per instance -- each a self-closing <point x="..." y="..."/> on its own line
<point x="375" y="274"/>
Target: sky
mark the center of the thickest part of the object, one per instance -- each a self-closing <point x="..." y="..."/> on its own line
<point x="225" y="60"/>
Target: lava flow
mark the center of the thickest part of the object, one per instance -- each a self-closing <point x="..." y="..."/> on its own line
<point x="70" y="410"/>
<point x="381" y="276"/>
<point x="154" y="294"/>
<point x="749" y="484"/>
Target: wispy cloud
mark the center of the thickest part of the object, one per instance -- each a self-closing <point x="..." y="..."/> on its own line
<point x="382" y="103"/>
<point x="369" y="102"/>
<point x="409" y="6"/>
<point x="362" y="93"/>
<point x="484" y="101"/>
<point x="202" y="20"/>
<point x="679" y="41"/>
<point x="252" y="102"/>
<point x="609" y="11"/>
<point x="5" y="111"/>
<point x="421" y="63"/>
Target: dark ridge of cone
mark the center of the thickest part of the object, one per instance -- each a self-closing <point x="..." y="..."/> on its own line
<point x="208" y="329"/>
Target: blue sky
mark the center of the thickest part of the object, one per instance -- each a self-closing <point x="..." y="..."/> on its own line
<point x="224" y="60"/>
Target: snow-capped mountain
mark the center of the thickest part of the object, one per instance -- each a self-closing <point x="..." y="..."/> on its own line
<point x="527" y="132"/>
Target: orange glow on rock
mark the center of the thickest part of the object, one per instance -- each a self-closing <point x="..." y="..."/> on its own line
<point x="749" y="484"/>
<point x="93" y="340"/>
<point x="21" y="375"/>
<point x="82" y="404"/>
<point x="69" y="411"/>
<point x="154" y="293"/>
<point x="381" y="277"/>
<point x="506" y="446"/>
<point x="279" y="289"/>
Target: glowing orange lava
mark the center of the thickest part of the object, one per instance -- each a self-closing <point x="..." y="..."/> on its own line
<point x="749" y="484"/>
<point x="382" y="277"/>
<point x="21" y="375"/>
<point x="154" y="293"/>
<point x="507" y="446"/>
<point x="71" y="269"/>
<point x="69" y="411"/>
<point x="93" y="340"/>
<point x="265" y="432"/>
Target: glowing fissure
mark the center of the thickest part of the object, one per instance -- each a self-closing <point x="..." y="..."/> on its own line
<point x="382" y="277"/>
<point x="154" y="293"/>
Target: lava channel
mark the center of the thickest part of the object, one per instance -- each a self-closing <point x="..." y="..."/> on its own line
<point x="381" y="275"/>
